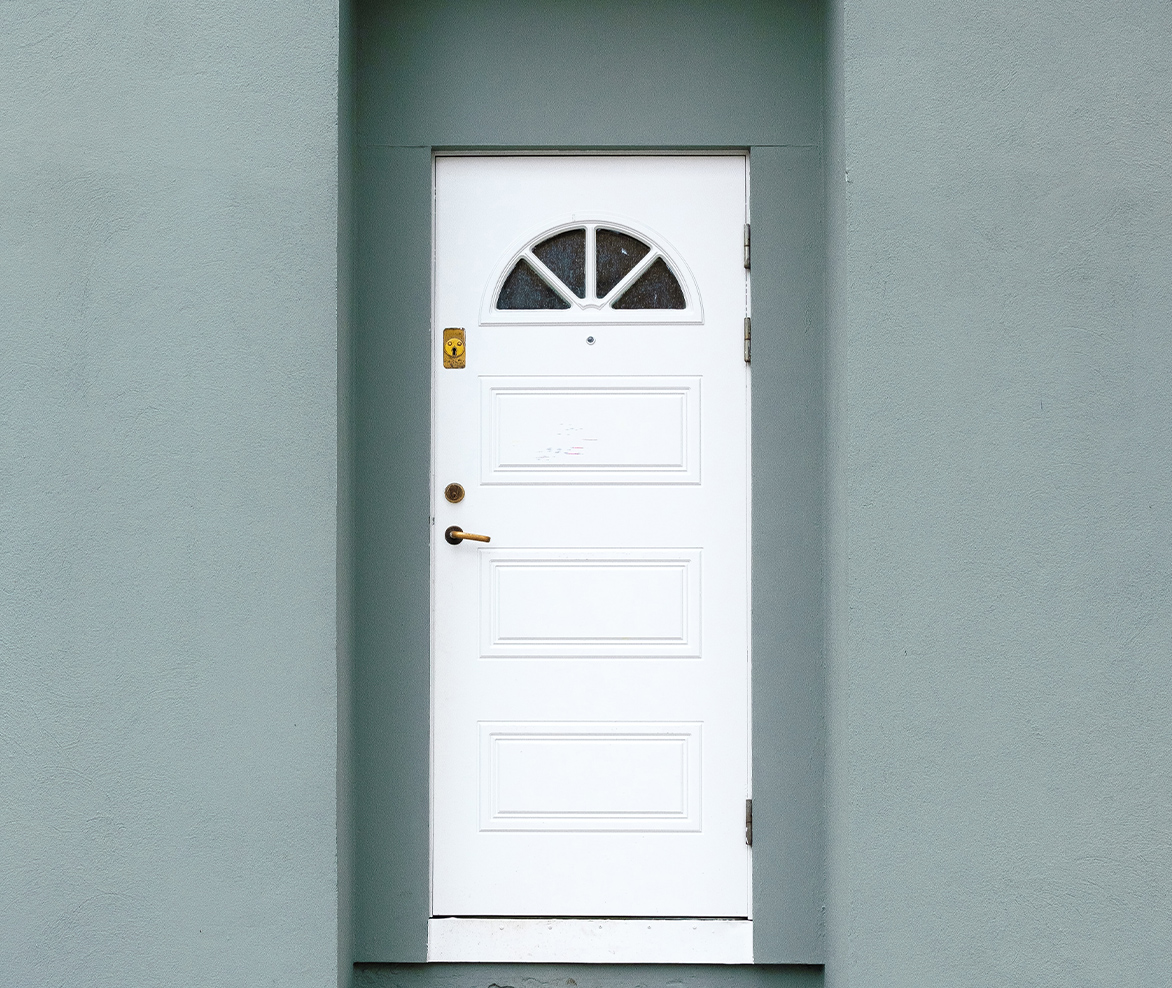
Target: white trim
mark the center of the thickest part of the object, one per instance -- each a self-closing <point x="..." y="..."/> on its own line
<point x="618" y="151"/>
<point x="592" y="941"/>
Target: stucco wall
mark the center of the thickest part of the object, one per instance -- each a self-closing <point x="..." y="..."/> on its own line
<point x="167" y="493"/>
<point x="1001" y="510"/>
<point x="999" y="515"/>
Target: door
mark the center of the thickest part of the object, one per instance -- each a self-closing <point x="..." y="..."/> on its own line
<point x="590" y="701"/>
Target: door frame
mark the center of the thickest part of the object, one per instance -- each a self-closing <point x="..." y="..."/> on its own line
<point x="596" y="940"/>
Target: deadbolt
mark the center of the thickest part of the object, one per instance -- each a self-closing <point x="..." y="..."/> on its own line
<point x="454" y="493"/>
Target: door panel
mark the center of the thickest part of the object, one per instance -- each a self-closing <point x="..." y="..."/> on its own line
<point x="590" y="665"/>
<point x="590" y="777"/>
<point x="624" y="430"/>
<point x="642" y="603"/>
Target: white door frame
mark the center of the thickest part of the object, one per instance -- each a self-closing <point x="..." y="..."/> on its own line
<point x="721" y="941"/>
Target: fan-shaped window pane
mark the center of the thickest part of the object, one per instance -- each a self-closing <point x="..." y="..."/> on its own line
<point x="656" y="288"/>
<point x="616" y="254"/>
<point x="524" y="289"/>
<point x="565" y="255"/>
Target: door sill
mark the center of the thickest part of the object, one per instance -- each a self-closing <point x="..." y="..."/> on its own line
<point x="592" y="941"/>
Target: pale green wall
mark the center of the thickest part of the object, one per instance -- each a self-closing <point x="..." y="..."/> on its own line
<point x="1001" y="516"/>
<point x="167" y="493"/>
<point x="998" y="520"/>
<point x="611" y="74"/>
<point x="347" y="90"/>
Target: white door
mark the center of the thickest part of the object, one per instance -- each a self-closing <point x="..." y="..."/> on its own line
<point x="590" y="673"/>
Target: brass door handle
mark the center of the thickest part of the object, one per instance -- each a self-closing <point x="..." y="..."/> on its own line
<point x="455" y="536"/>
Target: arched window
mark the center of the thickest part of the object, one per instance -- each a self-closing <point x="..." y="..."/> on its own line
<point x="600" y="271"/>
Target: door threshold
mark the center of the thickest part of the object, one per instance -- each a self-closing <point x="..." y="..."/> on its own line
<point x="591" y="941"/>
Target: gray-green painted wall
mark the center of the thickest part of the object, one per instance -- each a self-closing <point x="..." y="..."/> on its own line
<point x="347" y="93"/>
<point x="998" y="503"/>
<point x="655" y="74"/>
<point x="168" y="326"/>
<point x="1001" y="509"/>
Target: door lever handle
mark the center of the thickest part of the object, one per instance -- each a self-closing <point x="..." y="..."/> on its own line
<point x="455" y="536"/>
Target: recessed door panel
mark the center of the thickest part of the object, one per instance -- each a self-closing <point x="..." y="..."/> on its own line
<point x="590" y="733"/>
<point x="590" y="777"/>
<point x="621" y="430"/>
<point x="586" y="603"/>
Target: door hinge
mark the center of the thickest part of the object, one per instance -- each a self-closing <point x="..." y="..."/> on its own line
<point x="748" y="340"/>
<point x="747" y="252"/>
<point x="749" y="822"/>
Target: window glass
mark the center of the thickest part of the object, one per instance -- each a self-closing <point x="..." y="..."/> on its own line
<point x="616" y="254"/>
<point x="554" y="274"/>
<point x="525" y="289"/>
<point x="655" y="288"/>
<point x="565" y="255"/>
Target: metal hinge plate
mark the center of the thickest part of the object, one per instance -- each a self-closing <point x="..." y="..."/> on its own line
<point x="748" y="340"/>
<point x="749" y="822"/>
<point x="748" y="256"/>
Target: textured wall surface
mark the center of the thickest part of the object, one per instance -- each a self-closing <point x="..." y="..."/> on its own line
<point x="1001" y="522"/>
<point x="1000" y="508"/>
<point x="167" y="493"/>
<point x="650" y="73"/>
